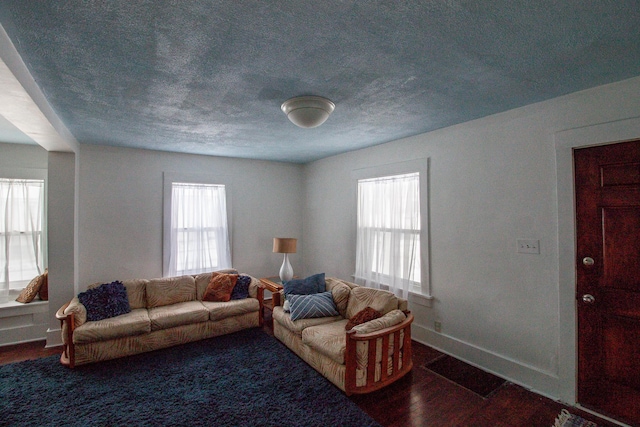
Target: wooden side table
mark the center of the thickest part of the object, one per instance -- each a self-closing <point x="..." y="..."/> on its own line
<point x="273" y="285"/>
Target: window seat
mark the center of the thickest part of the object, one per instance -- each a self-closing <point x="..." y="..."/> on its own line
<point x="23" y="322"/>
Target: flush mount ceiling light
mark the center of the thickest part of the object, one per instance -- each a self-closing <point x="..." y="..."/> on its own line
<point x="308" y="111"/>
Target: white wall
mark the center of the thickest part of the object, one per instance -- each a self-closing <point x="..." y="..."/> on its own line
<point x="62" y="236"/>
<point x="121" y="208"/>
<point x="492" y="181"/>
<point x="21" y="156"/>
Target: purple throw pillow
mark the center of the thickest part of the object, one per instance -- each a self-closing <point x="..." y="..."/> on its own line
<point x="241" y="290"/>
<point x="105" y="301"/>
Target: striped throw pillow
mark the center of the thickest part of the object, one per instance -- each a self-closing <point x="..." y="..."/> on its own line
<point x="315" y="305"/>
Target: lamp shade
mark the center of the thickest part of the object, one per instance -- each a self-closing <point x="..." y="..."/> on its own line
<point x="308" y="111"/>
<point x="284" y="245"/>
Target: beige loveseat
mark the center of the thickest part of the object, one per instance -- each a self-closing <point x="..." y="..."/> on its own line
<point x="164" y="312"/>
<point x="369" y="356"/>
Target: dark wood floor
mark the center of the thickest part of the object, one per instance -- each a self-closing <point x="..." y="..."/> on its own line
<point x="422" y="398"/>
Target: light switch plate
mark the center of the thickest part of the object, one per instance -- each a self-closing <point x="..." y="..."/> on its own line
<point x="528" y="246"/>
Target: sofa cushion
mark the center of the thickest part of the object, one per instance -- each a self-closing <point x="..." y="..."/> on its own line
<point x="364" y="315"/>
<point x="133" y="323"/>
<point x="284" y="319"/>
<point x="377" y="299"/>
<point x="136" y="291"/>
<point x="104" y="301"/>
<point x="328" y="339"/>
<point x="309" y="306"/>
<point x="310" y="285"/>
<point x="253" y="286"/>
<point x="340" y="295"/>
<point x="220" y="287"/>
<point x="170" y="290"/>
<point x="223" y="310"/>
<point x="182" y="313"/>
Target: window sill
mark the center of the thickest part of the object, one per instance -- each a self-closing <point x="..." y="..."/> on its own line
<point x="413" y="297"/>
<point x="12" y="307"/>
<point x="420" y="299"/>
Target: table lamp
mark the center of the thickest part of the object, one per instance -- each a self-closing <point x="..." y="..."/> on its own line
<point x="286" y="246"/>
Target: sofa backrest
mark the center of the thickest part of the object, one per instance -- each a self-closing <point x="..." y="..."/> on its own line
<point x="253" y="286"/>
<point x="362" y="297"/>
<point x="203" y="279"/>
<point x="350" y="298"/>
<point x="136" y="292"/>
<point x="340" y="292"/>
<point x="170" y="290"/>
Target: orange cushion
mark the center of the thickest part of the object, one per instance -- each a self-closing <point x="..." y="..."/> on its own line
<point x="362" y="316"/>
<point x="220" y="287"/>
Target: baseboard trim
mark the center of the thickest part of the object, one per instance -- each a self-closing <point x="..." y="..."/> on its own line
<point x="54" y="337"/>
<point x="529" y="377"/>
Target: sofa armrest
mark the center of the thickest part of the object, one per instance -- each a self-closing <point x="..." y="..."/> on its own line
<point x="261" y="301"/>
<point x="401" y="360"/>
<point x="67" y="326"/>
<point x="60" y="313"/>
<point x="390" y="319"/>
<point x="277" y="298"/>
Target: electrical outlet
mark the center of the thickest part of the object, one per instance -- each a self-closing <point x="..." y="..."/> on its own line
<point x="528" y="246"/>
<point x="437" y="325"/>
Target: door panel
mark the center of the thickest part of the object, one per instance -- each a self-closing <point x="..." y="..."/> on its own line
<point x="621" y="358"/>
<point x="620" y="226"/>
<point x="607" y="185"/>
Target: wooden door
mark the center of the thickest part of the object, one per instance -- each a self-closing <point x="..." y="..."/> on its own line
<point x="607" y="185"/>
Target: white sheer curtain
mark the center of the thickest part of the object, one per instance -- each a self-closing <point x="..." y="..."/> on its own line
<point x="199" y="231"/>
<point x="21" y="240"/>
<point x="388" y="233"/>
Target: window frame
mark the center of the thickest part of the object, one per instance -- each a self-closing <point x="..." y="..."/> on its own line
<point x="420" y="166"/>
<point x="171" y="177"/>
<point x="34" y="174"/>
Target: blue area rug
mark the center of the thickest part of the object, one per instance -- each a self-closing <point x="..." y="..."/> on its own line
<point x="242" y="379"/>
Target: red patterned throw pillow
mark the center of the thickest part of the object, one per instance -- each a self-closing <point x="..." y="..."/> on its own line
<point x="220" y="287"/>
<point x="364" y="315"/>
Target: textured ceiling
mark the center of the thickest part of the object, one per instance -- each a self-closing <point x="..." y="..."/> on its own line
<point x="208" y="77"/>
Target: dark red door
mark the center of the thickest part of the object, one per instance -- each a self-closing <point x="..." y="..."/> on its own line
<point x="607" y="183"/>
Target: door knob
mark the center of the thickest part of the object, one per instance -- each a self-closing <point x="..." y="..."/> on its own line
<point x="588" y="261"/>
<point x="588" y="298"/>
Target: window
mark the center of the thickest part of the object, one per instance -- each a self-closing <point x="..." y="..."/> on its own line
<point x="392" y="228"/>
<point x="199" y="237"/>
<point x="21" y="235"/>
<point x="388" y="232"/>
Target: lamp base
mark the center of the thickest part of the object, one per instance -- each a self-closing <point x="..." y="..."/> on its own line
<point x="286" y="271"/>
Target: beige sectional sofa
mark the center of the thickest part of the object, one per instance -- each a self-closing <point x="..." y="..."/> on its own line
<point x="164" y="312"/>
<point x="369" y="356"/>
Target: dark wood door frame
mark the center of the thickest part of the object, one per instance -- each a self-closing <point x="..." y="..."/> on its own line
<point x="607" y="186"/>
<point x="565" y="141"/>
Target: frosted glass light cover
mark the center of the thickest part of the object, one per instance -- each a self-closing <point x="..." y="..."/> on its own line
<point x="308" y="111"/>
